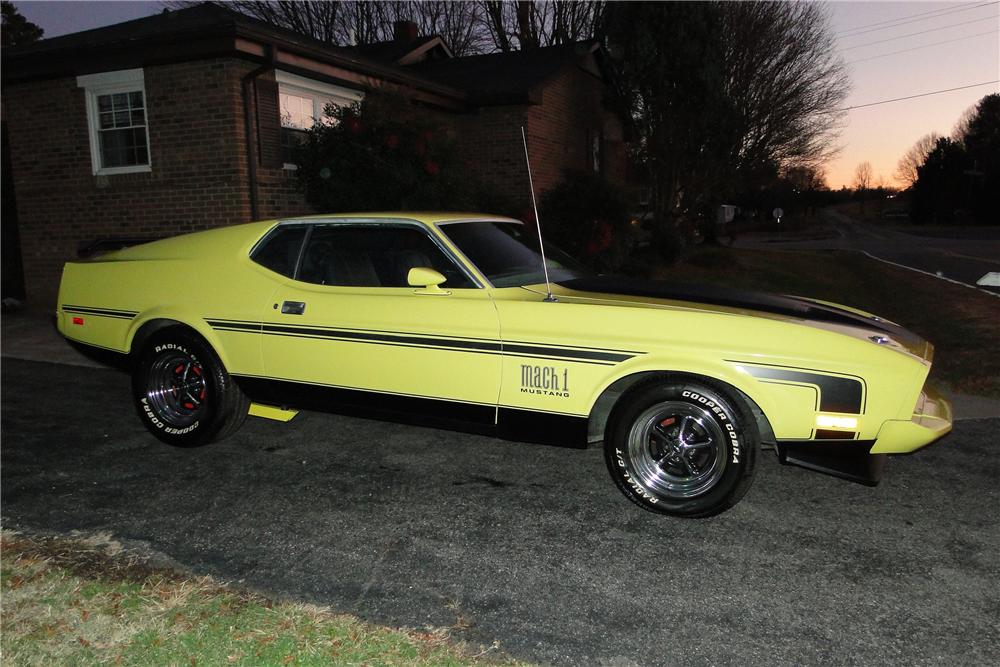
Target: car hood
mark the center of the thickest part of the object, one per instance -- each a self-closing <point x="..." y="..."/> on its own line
<point x="709" y="298"/>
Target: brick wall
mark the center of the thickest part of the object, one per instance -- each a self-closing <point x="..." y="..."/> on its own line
<point x="557" y="129"/>
<point x="489" y="139"/>
<point x="199" y="176"/>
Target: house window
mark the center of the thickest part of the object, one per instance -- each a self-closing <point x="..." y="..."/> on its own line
<point x="117" y="120"/>
<point x="301" y="102"/>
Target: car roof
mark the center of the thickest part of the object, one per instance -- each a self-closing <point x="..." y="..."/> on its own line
<point x="427" y="217"/>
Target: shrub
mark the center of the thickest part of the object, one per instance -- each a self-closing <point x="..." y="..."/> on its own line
<point x="588" y="217"/>
<point x="382" y="153"/>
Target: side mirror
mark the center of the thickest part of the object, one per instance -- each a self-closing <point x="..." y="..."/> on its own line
<point x="422" y="276"/>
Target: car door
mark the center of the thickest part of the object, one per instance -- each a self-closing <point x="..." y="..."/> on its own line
<point x="348" y="326"/>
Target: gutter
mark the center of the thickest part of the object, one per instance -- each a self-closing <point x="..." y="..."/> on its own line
<point x="248" y="81"/>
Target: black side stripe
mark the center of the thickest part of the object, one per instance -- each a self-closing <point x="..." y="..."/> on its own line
<point x="251" y="325"/>
<point x="581" y="355"/>
<point x="102" y="312"/>
<point x="223" y="325"/>
<point x="532" y="350"/>
<point x="381" y="338"/>
<point x="837" y="393"/>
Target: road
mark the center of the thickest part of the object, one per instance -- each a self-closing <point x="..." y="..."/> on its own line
<point x="964" y="260"/>
<point x="528" y="545"/>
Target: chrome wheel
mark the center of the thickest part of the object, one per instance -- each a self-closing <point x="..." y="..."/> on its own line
<point x="176" y="389"/>
<point x="676" y="450"/>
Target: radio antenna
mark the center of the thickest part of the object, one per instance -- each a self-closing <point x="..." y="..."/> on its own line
<point x="538" y="222"/>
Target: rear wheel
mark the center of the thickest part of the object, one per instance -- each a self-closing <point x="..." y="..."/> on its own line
<point x="682" y="448"/>
<point x="182" y="392"/>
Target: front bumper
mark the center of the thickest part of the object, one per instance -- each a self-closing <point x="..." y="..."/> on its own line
<point x="931" y="420"/>
<point x="861" y="461"/>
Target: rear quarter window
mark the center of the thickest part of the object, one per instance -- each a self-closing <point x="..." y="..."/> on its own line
<point x="279" y="252"/>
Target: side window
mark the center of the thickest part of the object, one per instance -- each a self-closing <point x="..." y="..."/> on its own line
<point x="280" y="251"/>
<point x="374" y="256"/>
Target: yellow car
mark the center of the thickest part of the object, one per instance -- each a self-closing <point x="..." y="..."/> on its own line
<point x="447" y="319"/>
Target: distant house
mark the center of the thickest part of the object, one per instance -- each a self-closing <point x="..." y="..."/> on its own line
<point x="181" y="121"/>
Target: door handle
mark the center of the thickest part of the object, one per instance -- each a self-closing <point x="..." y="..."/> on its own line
<point x="293" y="307"/>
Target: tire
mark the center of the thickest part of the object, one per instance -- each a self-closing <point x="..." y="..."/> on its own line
<point x="182" y="392"/>
<point x="682" y="447"/>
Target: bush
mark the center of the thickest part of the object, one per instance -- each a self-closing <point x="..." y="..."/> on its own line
<point x="588" y="217"/>
<point x="382" y="153"/>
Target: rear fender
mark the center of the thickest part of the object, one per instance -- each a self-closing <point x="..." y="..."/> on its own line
<point x="181" y="316"/>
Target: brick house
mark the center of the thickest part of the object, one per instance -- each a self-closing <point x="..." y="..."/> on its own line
<point x="179" y="122"/>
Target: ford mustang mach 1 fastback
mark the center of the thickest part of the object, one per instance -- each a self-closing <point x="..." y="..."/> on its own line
<point x="447" y="319"/>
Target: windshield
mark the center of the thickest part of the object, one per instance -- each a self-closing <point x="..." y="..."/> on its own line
<point x="507" y="253"/>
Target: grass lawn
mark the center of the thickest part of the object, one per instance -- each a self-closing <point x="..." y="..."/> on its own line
<point x="82" y="603"/>
<point x="963" y="323"/>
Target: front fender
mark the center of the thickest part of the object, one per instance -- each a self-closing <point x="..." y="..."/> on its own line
<point x="720" y="371"/>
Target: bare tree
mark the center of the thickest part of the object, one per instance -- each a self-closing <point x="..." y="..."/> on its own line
<point x="497" y="20"/>
<point x="467" y="26"/>
<point x="724" y="96"/>
<point x="573" y="21"/>
<point x="863" y="176"/>
<point x="914" y="157"/>
<point x="525" y="24"/>
<point x="805" y="178"/>
<point x="862" y="183"/>
<point x="961" y="129"/>
<point x="321" y="20"/>
<point x="350" y="22"/>
<point x="460" y="24"/>
<point x="782" y="68"/>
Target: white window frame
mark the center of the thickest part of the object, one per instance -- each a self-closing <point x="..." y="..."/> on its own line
<point x="109" y="83"/>
<point x="319" y="92"/>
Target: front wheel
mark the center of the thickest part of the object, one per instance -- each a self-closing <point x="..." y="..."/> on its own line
<point x="682" y="448"/>
<point x="182" y="392"/>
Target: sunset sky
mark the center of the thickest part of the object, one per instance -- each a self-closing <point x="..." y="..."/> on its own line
<point x="879" y="134"/>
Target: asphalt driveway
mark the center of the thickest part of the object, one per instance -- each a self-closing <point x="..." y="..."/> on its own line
<point x="529" y="545"/>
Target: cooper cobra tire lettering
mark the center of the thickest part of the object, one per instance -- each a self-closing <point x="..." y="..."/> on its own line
<point x="730" y="429"/>
<point x="149" y="413"/>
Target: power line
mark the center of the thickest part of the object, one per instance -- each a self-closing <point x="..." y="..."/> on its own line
<point x="910" y="97"/>
<point x="909" y="16"/>
<point x="917" y="20"/>
<point x="912" y="34"/>
<point x="924" y="46"/>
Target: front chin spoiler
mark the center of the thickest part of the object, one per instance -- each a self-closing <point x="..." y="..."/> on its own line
<point x="850" y="460"/>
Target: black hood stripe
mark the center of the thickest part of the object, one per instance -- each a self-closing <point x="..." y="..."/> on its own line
<point x="763" y="302"/>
